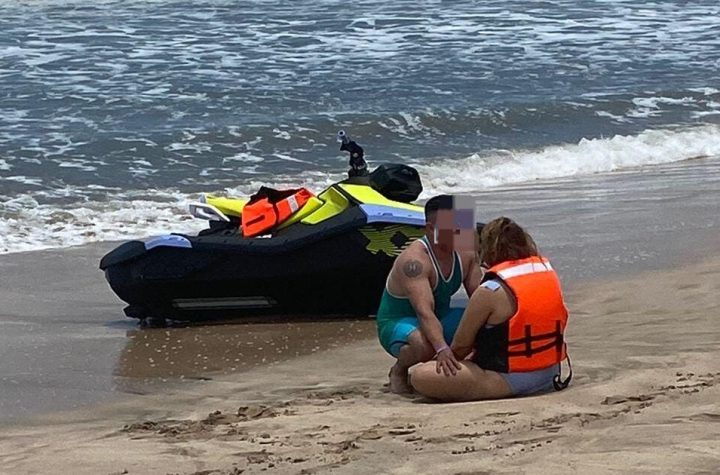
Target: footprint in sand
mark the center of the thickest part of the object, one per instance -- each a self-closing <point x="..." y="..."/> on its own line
<point x="327" y="468"/>
<point x="185" y="452"/>
<point x="688" y="286"/>
<point x="245" y="413"/>
<point x="702" y="417"/>
<point x="340" y="447"/>
<point x="475" y="435"/>
<point x="612" y="400"/>
<point x="403" y="430"/>
<point x="206" y="427"/>
<point x="371" y="434"/>
<point x="465" y="450"/>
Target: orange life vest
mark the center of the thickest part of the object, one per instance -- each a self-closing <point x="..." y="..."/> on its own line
<point x="268" y="208"/>
<point x="532" y="339"/>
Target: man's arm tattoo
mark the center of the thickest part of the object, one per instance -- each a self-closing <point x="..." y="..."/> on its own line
<point x="413" y="268"/>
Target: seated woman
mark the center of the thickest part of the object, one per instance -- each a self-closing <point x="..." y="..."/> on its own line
<point x="510" y="337"/>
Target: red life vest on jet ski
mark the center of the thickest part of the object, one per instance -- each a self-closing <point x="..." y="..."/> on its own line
<point x="268" y="208"/>
<point x="532" y="339"/>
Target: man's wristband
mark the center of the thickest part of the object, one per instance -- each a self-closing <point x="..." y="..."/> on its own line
<point x="440" y="349"/>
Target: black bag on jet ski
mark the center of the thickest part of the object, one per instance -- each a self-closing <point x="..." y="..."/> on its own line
<point x="397" y="182"/>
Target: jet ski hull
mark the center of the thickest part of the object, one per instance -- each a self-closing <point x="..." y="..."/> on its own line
<point x="337" y="268"/>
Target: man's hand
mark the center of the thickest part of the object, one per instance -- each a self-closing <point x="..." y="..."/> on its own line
<point x="446" y="362"/>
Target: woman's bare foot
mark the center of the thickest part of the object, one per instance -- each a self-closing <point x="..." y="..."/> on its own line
<point x="399" y="380"/>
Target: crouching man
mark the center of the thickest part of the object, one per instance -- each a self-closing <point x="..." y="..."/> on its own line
<point x="415" y="321"/>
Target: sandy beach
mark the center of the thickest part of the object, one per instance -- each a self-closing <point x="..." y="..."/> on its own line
<point x="644" y="400"/>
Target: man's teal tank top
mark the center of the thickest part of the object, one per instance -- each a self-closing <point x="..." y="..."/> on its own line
<point x="392" y="307"/>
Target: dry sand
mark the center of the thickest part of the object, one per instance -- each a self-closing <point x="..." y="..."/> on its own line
<point x="645" y="399"/>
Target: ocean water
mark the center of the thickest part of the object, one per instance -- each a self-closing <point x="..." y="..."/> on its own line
<point x="115" y="115"/>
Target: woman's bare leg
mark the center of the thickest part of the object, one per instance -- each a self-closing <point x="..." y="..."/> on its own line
<point x="417" y="350"/>
<point x="471" y="383"/>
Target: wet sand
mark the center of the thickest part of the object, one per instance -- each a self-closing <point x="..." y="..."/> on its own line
<point x="207" y="351"/>
<point x="65" y="345"/>
<point x="644" y="400"/>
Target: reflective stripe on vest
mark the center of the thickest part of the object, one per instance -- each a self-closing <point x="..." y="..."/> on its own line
<point x="533" y="338"/>
<point x="523" y="269"/>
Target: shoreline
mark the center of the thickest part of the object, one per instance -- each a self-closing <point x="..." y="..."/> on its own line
<point x="64" y="341"/>
<point x="644" y="395"/>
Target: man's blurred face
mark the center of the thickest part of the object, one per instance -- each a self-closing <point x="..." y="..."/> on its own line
<point x="455" y="229"/>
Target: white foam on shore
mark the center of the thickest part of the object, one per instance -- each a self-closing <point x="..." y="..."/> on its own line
<point x="26" y="224"/>
<point x="651" y="147"/>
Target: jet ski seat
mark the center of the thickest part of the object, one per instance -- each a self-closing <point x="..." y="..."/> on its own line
<point x="333" y="203"/>
<point x="366" y="195"/>
<point x="228" y="206"/>
<point x="312" y="205"/>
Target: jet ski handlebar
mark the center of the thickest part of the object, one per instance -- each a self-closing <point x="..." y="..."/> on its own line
<point x="358" y="165"/>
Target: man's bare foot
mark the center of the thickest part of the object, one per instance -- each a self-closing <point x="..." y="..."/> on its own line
<point x="399" y="380"/>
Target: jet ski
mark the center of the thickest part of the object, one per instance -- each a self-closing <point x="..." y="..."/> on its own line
<point x="331" y="257"/>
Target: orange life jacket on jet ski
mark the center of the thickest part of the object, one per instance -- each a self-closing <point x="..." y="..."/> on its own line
<point x="533" y="338"/>
<point x="268" y="208"/>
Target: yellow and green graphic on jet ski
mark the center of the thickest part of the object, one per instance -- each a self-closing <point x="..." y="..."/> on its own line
<point x="391" y="240"/>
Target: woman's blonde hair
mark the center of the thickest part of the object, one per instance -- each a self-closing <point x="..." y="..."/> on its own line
<point x="502" y="239"/>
